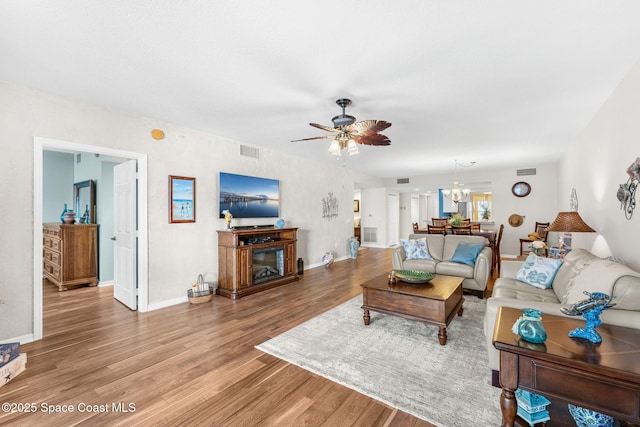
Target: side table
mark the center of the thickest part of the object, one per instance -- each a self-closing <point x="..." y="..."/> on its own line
<point x="603" y="377"/>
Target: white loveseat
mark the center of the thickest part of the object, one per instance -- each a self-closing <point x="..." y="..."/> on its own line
<point x="441" y="248"/>
<point x="580" y="271"/>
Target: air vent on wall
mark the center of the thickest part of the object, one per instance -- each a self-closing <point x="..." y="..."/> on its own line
<point x="402" y="181"/>
<point x="370" y="234"/>
<point x="524" y="172"/>
<point x="247" y="151"/>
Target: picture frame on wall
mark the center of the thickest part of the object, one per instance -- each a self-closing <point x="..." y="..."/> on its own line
<point x="356" y="205"/>
<point x="182" y="199"/>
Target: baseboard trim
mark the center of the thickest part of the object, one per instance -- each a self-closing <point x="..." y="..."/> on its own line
<point x="105" y="283"/>
<point x="167" y="303"/>
<point x="24" y="339"/>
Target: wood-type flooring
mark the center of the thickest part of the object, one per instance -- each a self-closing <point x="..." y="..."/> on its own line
<point x="190" y="364"/>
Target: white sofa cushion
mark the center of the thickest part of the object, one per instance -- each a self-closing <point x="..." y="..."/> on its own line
<point x="455" y="269"/>
<point x="608" y="273"/>
<point x="420" y="264"/>
<point x="572" y="264"/>
<point x="513" y="289"/>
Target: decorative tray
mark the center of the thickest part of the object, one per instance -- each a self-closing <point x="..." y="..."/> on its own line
<point x="414" y="276"/>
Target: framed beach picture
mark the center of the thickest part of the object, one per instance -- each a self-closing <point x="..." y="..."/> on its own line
<point x="182" y="199"/>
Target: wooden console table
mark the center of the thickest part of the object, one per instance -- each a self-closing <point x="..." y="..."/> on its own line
<point x="603" y="377"/>
<point x="255" y="259"/>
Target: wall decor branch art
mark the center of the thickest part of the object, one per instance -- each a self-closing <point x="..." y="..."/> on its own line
<point x="329" y="207"/>
<point x="627" y="191"/>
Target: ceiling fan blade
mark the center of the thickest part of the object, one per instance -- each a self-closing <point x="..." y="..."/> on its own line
<point x="314" y="137"/>
<point x="327" y="128"/>
<point x="373" y="139"/>
<point x="368" y="127"/>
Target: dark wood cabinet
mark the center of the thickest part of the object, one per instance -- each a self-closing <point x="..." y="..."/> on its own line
<point x="255" y="259"/>
<point x="70" y="254"/>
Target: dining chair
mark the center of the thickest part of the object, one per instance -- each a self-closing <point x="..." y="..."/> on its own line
<point x="415" y="226"/>
<point x="475" y="226"/>
<point x="436" y="229"/>
<point x="466" y="221"/>
<point x="461" y="229"/>
<point x="497" y="248"/>
<point x="440" y="221"/>
<point x="541" y="231"/>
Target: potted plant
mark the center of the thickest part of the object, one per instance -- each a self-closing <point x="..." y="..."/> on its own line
<point x="456" y="219"/>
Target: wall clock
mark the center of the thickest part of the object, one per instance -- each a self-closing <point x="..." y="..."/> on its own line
<point x="521" y="189"/>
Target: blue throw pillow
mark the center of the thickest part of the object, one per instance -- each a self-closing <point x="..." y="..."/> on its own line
<point x="466" y="253"/>
<point x="539" y="271"/>
<point x="416" y="249"/>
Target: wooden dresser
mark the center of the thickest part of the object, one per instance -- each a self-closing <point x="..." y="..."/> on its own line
<point x="70" y="254"/>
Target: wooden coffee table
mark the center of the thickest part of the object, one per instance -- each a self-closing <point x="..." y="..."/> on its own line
<point x="435" y="302"/>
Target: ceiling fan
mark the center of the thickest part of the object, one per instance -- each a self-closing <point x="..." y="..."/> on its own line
<point x="346" y="132"/>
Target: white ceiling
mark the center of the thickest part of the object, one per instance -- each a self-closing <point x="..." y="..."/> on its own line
<point x="500" y="82"/>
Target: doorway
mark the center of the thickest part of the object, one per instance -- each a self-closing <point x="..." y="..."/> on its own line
<point x="42" y="144"/>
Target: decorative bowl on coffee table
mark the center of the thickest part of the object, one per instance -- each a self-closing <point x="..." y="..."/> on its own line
<point x="414" y="276"/>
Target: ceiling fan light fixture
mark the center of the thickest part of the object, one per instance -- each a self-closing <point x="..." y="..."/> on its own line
<point x="352" y="147"/>
<point x="335" y="148"/>
<point x="347" y="134"/>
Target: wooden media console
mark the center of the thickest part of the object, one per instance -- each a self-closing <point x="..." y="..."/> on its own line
<point x="252" y="260"/>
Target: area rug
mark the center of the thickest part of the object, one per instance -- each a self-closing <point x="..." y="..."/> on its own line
<point x="400" y="362"/>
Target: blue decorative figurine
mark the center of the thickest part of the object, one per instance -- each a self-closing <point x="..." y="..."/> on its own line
<point x="529" y="326"/>
<point x="590" y="309"/>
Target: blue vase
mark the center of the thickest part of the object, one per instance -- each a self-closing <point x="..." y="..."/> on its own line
<point x="588" y="418"/>
<point x="87" y="216"/>
<point x="64" y="211"/>
<point x="530" y="326"/>
<point x="353" y="247"/>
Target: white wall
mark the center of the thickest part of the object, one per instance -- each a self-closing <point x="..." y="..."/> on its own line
<point x="177" y="252"/>
<point x="57" y="184"/>
<point x="595" y="166"/>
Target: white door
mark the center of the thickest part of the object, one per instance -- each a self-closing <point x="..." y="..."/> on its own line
<point x="125" y="231"/>
<point x="393" y="208"/>
<point x="415" y="210"/>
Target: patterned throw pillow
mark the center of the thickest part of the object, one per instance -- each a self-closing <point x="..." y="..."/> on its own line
<point x="416" y="249"/>
<point x="467" y="253"/>
<point x="539" y="271"/>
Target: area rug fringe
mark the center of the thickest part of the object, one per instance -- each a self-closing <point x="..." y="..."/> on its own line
<point x="400" y="362"/>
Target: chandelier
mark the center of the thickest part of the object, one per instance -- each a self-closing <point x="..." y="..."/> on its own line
<point x="457" y="194"/>
<point x="343" y="142"/>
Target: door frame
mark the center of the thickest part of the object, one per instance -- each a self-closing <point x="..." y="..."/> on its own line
<point x="43" y="144"/>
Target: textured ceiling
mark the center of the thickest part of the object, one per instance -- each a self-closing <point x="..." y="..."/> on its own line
<point x="502" y="83"/>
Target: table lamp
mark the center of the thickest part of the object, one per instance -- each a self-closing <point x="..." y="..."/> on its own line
<point x="569" y="222"/>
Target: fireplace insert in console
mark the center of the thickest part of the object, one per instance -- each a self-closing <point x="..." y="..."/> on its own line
<point x="268" y="264"/>
<point x="254" y="260"/>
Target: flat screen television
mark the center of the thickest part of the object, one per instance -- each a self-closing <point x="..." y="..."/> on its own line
<point x="249" y="196"/>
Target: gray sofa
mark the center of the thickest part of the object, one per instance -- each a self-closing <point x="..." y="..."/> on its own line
<point x="441" y="248"/>
<point x="580" y="271"/>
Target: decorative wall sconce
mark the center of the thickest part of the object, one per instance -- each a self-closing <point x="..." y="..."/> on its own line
<point x="627" y="191"/>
